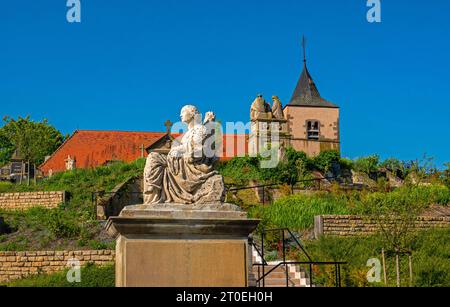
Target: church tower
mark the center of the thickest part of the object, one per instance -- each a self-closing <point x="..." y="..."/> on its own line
<point x="313" y="122"/>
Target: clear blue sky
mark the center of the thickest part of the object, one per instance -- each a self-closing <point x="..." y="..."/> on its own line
<point x="130" y="65"/>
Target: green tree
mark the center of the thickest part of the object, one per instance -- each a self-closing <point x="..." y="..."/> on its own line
<point x="446" y="175"/>
<point x="418" y="171"/>
<point x="34" y="140"/>
<point x="393" y="164"/>
<point x="367" y="165"/>
<point x="326" y="159"/>
<point x="289" y="171"/>
<point x="396" y="215"/>
<point x="6" y="149"/>
<point x="241" y="169"/>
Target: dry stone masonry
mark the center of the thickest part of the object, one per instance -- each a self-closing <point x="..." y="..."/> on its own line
<point x="23" y="201"/>
<point x="352" y="225"/>
<point x="17" y="265"/>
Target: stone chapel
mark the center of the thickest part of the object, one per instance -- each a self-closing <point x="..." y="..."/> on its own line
<point x="308" y="123"/>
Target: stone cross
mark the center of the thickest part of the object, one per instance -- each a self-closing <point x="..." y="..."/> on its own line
<point x="168" y="125"/>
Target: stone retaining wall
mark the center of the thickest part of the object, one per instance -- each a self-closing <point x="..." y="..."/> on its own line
<point x="350" y="225"/>
<point x="17" y="265"/>
<point x="27" y="200"/>
<point x="124" y="194"/>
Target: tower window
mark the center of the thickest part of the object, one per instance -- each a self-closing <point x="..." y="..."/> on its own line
<point x="313" y="130"/>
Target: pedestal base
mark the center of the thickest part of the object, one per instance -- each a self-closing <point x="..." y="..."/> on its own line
<point x="182" y="246"/>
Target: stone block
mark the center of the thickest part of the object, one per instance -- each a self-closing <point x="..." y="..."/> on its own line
<point x="188" y="247"/>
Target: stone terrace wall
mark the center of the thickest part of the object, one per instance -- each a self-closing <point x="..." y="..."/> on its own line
<point x="22" y="201"/>
<point x="124" y="194"/>
<point x="17" y="265"/>
<point x="348" y="225"/>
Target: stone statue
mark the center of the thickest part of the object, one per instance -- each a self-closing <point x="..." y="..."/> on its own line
<point x="277" y="108"/>
<point x="70" y="163"/>
<point x="282" y="152"/>
<point x="209" y="117"/>
<point x="260" y="109"/>
<point x="186" y="175"/>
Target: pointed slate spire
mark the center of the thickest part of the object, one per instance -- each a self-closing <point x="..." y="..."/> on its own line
<point x="306" y="92"/>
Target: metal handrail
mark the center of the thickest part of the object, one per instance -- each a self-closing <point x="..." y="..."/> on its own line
<point x="95" y="196"/>
<point x="259" y="253"/>
<point x="300" y="245"/>
<point x="285" y="263"/>
<point x="278" y="184"/>
<point x="272" y="185"/>
<point x="337" y="272"/>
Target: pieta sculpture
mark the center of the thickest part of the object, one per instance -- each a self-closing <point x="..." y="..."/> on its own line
<point x="186" y="175"/>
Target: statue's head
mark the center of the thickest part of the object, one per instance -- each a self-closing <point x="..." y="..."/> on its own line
<point x="210" y="117"/>
<point x="189" y="113"/>
<point x="259" y="101"/>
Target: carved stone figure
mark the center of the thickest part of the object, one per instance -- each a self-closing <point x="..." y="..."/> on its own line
<point x="186" y="175"/>
<point x="282" y="152"/>
<point x="209" y="117"/>
<point x="70" y="163"/>
<point x="260" y="109"/>
<point x="277" y="108"/>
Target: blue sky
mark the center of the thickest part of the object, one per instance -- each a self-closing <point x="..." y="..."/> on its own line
<point x="130" y="65"/>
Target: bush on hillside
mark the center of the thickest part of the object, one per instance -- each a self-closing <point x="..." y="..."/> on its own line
<point x="298" y="211"/>
<point x="346" y="164"/>
<point x="368" y="165"/>
<point x="325" y="160"/>
<point x="91" y="276"/>
<point x="430" y="254"/>
<point x="73" y="224"/>
<point x="6" y="186"/>
<point x="241" y="169"/>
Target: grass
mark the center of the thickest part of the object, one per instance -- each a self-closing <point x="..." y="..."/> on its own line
<point x="297" y="211"/>
<point x="430" y="255"/>
<point x="80" y="183"/>
<point x="72" y="225"/>
<point x="91" y="276"/>
<point x="430" y="260"/>
<point x="6" y="186"/>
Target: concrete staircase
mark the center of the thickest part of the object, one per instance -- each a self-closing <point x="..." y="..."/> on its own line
<point x="277" y="278"/>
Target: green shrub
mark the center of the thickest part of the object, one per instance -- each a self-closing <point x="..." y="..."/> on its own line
<point x="5" y="186"/>
<point x="393" y="164"/>
<point x="325" y="160"/>
<point x="298" y="211"/>
<point x="76" y="219"/>
<point x="445" y="177"/>
<point x="98" y="245"/>
<point x="432" y="272"/>
<point x="59" y="222"/>
<point x="91" y="276"/>
<point x="430" y="254"/>
<point x="410" y="195"/>
<point x="367" y="165"/>
<point x="296" y="167"/>
<point x="346" y="164"/>
<point x="241" y="169"/>
<point x="14" y="246"/>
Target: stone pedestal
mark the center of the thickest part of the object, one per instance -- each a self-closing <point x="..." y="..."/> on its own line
<point x="182" y="246"/>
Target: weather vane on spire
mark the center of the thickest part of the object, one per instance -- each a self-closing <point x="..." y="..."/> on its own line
<point x="304" y="48"/>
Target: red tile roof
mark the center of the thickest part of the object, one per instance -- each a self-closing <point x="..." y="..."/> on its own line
<point x="234" y="145"/>
<point x="92" y="148"/>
